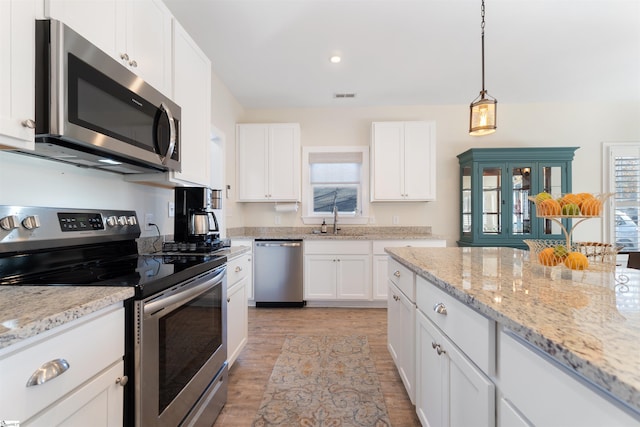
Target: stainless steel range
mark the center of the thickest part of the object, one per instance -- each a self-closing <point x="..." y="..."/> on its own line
<point x="176" y="339"/>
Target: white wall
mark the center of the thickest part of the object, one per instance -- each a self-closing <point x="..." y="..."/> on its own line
<point x="582" y="125"/>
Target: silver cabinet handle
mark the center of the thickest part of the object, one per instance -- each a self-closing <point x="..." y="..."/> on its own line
<point x="29" y="124"/>
<point x="124" y="56"/>
<point x="123" y="380"/>
<point x="437" y="348"/>
<point x="48" y="371"/>
<point x="440" y="308"/>
<point x="397" y="273"/>
<point x="228" y="299"/>
<point x="133" y="63"/>
<point x="238" y="269"/>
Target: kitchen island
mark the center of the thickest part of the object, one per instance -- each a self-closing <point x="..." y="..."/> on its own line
<point x="585" y="322"/>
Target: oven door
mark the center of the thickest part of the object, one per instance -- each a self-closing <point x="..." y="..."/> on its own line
<point x="180" y="350"/>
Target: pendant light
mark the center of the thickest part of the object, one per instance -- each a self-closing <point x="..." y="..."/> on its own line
<point x="484" y="108"/>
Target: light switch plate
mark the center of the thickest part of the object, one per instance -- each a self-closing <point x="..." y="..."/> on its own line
<point x="172" y="209"/>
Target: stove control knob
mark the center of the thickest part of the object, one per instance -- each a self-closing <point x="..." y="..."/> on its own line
<point x="31" y="222"/>
<point x="112" y="221"/>
<point x="122" y="220"/>
<point x="9" y="222"/>
<point x="132" y="220"/>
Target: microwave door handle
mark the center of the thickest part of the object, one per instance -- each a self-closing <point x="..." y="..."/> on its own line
<point x="172" y="132"/>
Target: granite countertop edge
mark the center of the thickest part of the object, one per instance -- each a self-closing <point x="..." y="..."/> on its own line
<point x="607" y="381"/>
<point x="37" y="309"/>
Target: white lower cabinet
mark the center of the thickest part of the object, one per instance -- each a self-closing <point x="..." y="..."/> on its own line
<point x="401" y="318"/>
<point x="450" y="389"/>
<point x="535" y="390"/>
<point x="337" y="270"/>
<point x="455" y="357"/>
<point x="91" y="389"/>
<point x="238" y="279"/>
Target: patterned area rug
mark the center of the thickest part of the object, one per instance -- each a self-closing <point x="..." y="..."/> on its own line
<point x="323" y="381"/>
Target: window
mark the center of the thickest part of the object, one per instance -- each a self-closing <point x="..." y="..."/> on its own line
<point x="622" y="177"/>
<point x="335" y="176"/>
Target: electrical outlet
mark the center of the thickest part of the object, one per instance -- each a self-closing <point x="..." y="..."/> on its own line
<point x="172" y="209"/>
<point x="372" y="220"/>
<point x="148" y="219"/>
<point x="395" y="219"/>
<point x="278" y="219"/>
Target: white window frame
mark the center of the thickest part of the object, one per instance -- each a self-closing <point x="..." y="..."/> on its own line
<point x="308" y="216"/>
<point x="609" y="151"/>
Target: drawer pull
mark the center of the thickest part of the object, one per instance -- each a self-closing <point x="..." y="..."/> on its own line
<point x="123" y="380"/>
<point x="439" y="350"/>
<point x="440" y="308"/>
<point x="433" y="345"/>
<point x="48" y="371"/>
<point x="238" y="269"/>
<point x="397" y="273"/>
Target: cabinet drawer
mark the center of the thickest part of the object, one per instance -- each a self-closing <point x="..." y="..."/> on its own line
<point x="403" y="278"/>
<point x="379" y="245"/>
<point x="355" y="247"/>
<point x="87" y="346"/>
<point x="237" y="269"/>
<point x="472" y="332"/>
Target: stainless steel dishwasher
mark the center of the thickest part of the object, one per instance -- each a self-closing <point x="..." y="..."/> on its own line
<point x="277" y="273"/>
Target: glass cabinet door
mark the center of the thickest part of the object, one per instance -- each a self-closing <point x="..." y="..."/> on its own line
<point x="467" y="210"/>
<point x="491" y="200"/>
<point x="520" y="204"/>
<point x="553" y="181"/>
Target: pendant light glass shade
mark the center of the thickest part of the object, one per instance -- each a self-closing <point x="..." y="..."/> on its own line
<point x="482" y="120"/>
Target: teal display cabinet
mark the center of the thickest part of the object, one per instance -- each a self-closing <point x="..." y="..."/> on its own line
<point x="495" y="184"/>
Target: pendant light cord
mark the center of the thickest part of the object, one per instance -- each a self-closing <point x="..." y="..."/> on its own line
<point x="482" y="38"/>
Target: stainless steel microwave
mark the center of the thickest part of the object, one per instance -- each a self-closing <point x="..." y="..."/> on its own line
<point x="93" y="112"/>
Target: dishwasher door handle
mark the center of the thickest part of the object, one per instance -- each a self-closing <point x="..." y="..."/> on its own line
<point x="272" y="245"/>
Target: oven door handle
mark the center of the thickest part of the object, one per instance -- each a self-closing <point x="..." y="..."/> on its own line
<point x="187" y="293"/>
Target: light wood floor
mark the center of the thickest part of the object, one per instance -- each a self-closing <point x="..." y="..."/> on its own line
<point x="267" y="328"/>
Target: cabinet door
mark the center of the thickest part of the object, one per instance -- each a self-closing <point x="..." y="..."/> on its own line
<point x="471" y="395"/>
<point x="192" y="87"/>
<point x="419" y="161"/>
<point x="407" y="346"/>
<point x="17" y="73"/>
<point x="284" y="162"/>
<point x="380" y="267"/>
<point x="387" y="179"/>
<point x="252" y="151"/>
<point x="353" y="277"/>
<point x="432" y="372"/>
<point x="320" y="277"/>
<point x="237" y="320"/>
<point x="99" y="21"/>
<point x="394" y="331"/>
<point x="148" y="42"/>
<point x="99" y="402"/>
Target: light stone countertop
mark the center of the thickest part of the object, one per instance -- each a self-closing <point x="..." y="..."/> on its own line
<point x="26" y="311"/>
<point x="345" y="233"/>
<point x="586" y="320"/>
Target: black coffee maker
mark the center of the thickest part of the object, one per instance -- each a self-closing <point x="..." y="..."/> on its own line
<point x="195" y="223"/>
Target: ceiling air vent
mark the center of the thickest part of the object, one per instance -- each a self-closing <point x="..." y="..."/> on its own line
<point x="344" y="95"/>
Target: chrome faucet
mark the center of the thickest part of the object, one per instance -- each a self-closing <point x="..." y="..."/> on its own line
<point x="335" y="213"/>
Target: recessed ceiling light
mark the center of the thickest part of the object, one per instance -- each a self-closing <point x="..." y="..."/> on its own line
<point x="335" y="59"/>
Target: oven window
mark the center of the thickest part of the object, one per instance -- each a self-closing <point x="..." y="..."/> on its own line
<point x="188" y="337"/>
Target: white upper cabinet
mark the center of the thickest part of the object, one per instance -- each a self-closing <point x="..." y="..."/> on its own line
<point x="192" y="92"/>
<point x="403" y="161"/>
<point x="17" y="73"/>
<point x="268" y="162"/>
<point x="135" y="32"/>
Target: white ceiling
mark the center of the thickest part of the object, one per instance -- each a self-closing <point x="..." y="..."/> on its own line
<point x="275" y="53"/>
